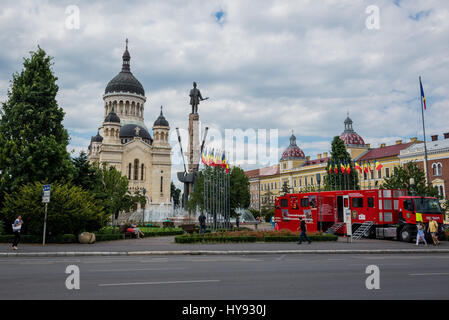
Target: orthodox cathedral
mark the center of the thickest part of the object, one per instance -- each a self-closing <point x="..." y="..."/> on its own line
<point x="124" y="142"/>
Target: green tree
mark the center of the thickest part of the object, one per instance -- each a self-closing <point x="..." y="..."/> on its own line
<point x="71" y="209"/>
<point x="175" y="194"/>
<point x="113" y="192"/>
<point x="239" y="189"/>
<point x="33" y="141"/>
<point x="85" y="175"/>
<point x="340" y="180"/>
<point x="401" y="180"/>
<point x="285" y="188"/>
<point x="240" y="195"/>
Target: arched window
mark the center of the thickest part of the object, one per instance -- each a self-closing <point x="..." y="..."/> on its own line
<point x="141" y="172"/>
<point x="440" y="169"/>
<point x="129" y="171"/>
<point x="136" y="169"/>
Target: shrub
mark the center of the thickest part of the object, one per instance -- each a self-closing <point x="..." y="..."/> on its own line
<point x="108" y="237"/>
<point x="207" y="238"/>
<point x="2" y="227"/>
<point x="70" y="211"/>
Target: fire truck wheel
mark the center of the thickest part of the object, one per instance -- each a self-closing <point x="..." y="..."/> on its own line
<point x="405" y="235"/>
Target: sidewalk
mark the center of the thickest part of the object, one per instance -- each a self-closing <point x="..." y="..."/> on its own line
<point x="166" y="245"/>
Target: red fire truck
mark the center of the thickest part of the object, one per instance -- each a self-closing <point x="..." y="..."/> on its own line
<point x="383" y="213"/>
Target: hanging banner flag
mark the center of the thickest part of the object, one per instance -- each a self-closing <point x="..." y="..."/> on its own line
<point x="357" y="166"/>
<point x="423" y="97"/>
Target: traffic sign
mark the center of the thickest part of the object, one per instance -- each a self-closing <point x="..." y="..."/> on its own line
<point x="46" y="193"/>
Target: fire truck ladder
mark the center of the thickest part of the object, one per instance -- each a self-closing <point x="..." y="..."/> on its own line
<point x="335" y="227"/>
<point x="362" y="230"/>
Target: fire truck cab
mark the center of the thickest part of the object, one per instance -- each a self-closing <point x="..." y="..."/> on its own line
<point x="383" y="213"/>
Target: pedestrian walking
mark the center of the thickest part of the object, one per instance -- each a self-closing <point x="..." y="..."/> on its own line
<point x="303" y="234"/>
<point x="272" y="222"/>
<point x="202" y="220"/>
<point x="16" y="228"/>
<point x="433" y="229"/>
<point x="420" y="235"/>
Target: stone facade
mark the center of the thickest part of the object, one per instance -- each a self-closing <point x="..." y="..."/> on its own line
<point x="123" y="140"/>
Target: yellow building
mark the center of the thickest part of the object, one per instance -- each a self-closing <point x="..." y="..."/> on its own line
<point x="299" y="172"/>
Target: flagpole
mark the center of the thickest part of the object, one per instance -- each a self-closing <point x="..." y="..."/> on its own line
<point x="424" y="132"/>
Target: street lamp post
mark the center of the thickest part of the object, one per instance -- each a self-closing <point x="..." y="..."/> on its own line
<point x="318" y="181"/>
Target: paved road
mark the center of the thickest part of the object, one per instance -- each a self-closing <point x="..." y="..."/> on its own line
<point x="404" y="276"/>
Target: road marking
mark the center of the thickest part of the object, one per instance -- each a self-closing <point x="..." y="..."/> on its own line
<point x="429" y="274"/>
<point x="126" y="270"/>
<point x="281" y="257"/>
<point x="159" y="282"/>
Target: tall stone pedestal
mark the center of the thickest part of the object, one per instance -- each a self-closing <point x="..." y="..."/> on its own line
<point x="194" y="142"/>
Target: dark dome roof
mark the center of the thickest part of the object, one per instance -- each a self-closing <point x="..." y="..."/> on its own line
<point x="112" y="117"/>
<point x="349" y="136"/>
<point x="129" y="131"/>
<point x="97" y="138"/>
<point x="293" y="151"/>
<point x="161" y="121"/>
<point x="125" y="81"/>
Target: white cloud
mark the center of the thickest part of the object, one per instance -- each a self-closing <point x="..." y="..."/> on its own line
<point x="286" y="65"/>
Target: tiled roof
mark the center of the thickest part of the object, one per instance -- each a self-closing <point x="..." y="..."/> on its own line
<point x="317" y="161"/>
<point x="388" y="151"/>
<point x="252" y="173"/>
<point x="269" y="171"/>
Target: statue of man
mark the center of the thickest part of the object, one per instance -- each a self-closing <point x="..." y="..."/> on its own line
<point x="195" y="98"/>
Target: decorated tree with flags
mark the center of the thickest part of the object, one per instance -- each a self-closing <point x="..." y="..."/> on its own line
<point x="340" y="173"/>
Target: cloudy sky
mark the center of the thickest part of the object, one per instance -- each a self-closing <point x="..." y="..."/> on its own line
<point x="286" y="65"/>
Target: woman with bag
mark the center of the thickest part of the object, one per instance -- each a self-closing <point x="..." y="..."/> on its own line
<point x="16" y="227"/>
<point x="420" y="234"/>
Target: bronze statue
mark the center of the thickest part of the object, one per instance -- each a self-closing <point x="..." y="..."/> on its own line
<point x="195" y="98"/>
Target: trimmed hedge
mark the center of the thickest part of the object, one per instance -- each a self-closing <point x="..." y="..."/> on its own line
<point x="219" y="237"/>
<point x="108" y="237"/>
<point x="213" y="238"/>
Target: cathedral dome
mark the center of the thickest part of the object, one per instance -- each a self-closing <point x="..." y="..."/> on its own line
<point x="293" y="151"/>
<point x="161" y="121"/>
<point x="97" y="138"/>
<point x="133" y="130"/>
<point x="349" y="136"/>
<point x="125" y="80"/>
<point x="112" y="117"/>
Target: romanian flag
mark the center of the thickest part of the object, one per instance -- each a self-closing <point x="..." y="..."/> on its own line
<point x="223" y="160"/>
<point x="348" y="168"/>
<point x="210" y="159"/>
<point x="342" y="167"/>
<point x="335" y="168"/>
<point x="203" y="158"/>
<point x="357" y="166"/>
<point x="365" y="167"/>
<point x="377" y="165"/>
<point x="227" y="168"/>
<point x="330" y="168"/>
<point x="423" y="97"/>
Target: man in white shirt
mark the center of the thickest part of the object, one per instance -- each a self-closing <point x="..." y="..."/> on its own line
<point x="16" y="227"/>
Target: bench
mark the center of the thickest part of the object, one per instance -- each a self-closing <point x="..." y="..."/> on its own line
<point x="168" y="224"/>
<point x="123" y="229"/>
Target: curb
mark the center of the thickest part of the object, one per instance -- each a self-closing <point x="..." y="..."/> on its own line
<point x="211" y="252"/>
